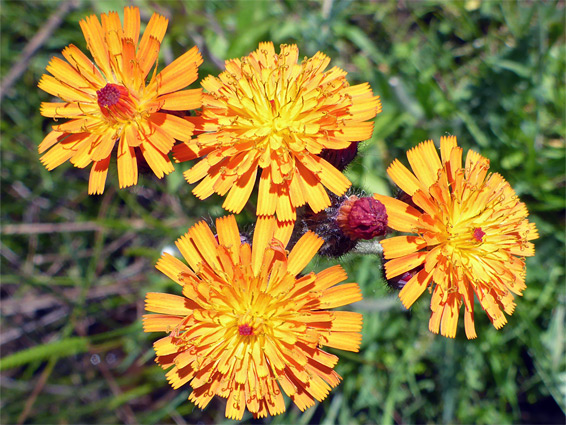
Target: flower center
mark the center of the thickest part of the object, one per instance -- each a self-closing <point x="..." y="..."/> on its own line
<point x="479" y="234"/>
<point x="116" y="103"/>
<point x="108" y="95"/>
<point x="245" y="330"/>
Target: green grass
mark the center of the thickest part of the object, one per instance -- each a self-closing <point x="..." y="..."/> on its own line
<point x="491" y="73"/>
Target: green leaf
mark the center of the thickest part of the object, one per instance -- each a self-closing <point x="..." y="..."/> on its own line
<point x="63" y="348"/>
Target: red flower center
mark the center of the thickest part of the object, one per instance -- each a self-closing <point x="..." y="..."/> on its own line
<point x="116" y="103"/>
<point x="245" y="329"/>
<point x="108" y="95"/>
<point x="479" y="234"/>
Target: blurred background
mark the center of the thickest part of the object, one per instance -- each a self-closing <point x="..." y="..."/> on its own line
<point x="75" y="268"/>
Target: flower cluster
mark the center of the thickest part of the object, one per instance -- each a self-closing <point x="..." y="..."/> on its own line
<point x="250" y="325"/>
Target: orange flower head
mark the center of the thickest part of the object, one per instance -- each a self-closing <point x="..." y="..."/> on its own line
<point x="268" y="111"/>
<point x="109" y="103"/>
<point x="246" y="325"/>
<point x="471" y="235"/>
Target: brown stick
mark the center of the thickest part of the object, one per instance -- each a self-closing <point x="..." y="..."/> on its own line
<point x="86" y="226"/>
<point x="34" y="44"/>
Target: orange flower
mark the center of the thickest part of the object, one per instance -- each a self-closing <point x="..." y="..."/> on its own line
<point x="109" y="102"/>
<point x="268" y="111"/>
<point x="246" y="325"/>
<point x="471" y="236"/>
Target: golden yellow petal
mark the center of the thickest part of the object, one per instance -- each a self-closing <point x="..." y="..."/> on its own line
<point x="447" y="144"/>
<point x="333" y="179"/>
<point x="348" y="341"/>
<point x="103" y="146"/>
<point x="206" y="243"/>
<point x="155" y="133"/>
<point x="132" y="24"/>
<point x="267" y="194"/>
<point x="355" y="132"/>
<point x="84" y="65"/>
<point x="284" y="210"/>
<point x="69" y="94"/>
<point x="284" y="231"/>
<point x="263" y="233"/>
<point x="236" y="403"/>
<point x="172" y="267"/>
<point x="451" y="310"/>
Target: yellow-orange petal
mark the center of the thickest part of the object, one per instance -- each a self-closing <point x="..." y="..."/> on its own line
<point x="127" y="165"/>
<point x="150" y="42"/>
<point x="400" y="246"/>
<point x="97" y="178"/>
<point x="400" y="216"/>
<point x="181" y="100"/>
<point x="303" y="252"/>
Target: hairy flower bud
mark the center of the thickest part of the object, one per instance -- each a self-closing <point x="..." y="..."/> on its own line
<point x="362" y="218"/>
<point x="340" y="158"/>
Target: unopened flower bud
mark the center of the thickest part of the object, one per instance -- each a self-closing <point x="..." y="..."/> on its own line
<point x="362" y="218"/>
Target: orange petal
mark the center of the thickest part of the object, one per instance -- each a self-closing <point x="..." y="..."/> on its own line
<point x="151" y="42"/>
<point x="94" y="36"/>
<point x="166" y="304"/>
<point x="98" y="174"/>
<point x="403" y="178"/>
<point x="400" y="246"/>
<point x="127" y="164"/>
<point x="179" y="73"/>
<point x="400" y="216"/>
<point x="263" y="233"/>
<point x="414" y="288"/>
<point x="240" y="192"/>
<point x="303" y="252"/>
<point x="425" y="162"/>
<point x="181" y="100"/>
<point x="172" y="125"/>
<point x="401" y="265"/>
<point x="172" y="267"/>
<point x="158" y="162"/>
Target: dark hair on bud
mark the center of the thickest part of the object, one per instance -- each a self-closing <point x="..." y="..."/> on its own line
<point x="348" y="219"/>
